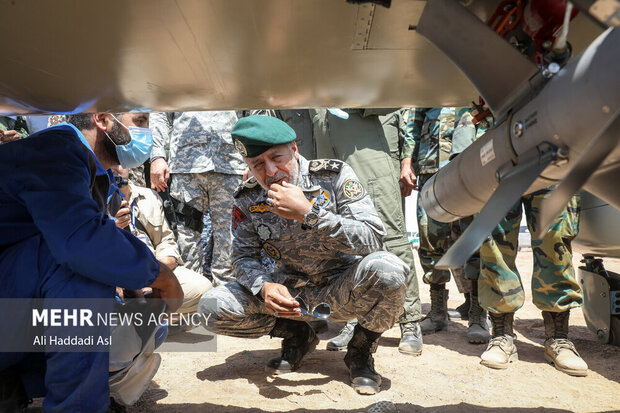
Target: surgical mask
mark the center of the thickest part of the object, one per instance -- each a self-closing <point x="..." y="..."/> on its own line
<point x="138" y="150"/>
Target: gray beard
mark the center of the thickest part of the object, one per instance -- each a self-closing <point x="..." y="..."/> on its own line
<point x="293" y="177"/>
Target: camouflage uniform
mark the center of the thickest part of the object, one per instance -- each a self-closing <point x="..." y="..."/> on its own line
<point x="16" y="123"/>
<point x="370" y="140"/>
<point x="554" y="287"/>
<point x="205" y="169"/>
<point x="428" y="141"/>
<point x="338" y="262"/>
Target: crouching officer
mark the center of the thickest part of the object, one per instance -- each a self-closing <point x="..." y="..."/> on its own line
<point x="319" y="225"/>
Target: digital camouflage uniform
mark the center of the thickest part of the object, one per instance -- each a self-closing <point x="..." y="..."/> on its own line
<point x="429" y="144"/>
<point x="338" y="262"/>
<point x="370" y="141"/>
<point x="205" y="169"/>
<point x="554" y="287"/>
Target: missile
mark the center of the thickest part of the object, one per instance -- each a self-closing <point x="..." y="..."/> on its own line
<point x="556" y="126"/>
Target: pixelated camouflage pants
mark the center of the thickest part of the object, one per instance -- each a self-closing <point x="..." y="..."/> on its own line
<point x="435" y="240"/>
<point x="372" y="291"/>
<point x="554" y="287"/>
<point x="214" y="191"/>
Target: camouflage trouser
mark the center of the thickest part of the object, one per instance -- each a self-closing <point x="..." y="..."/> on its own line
<point x="435" y="240"/>
<point x="554" y="287"/>
<point x="214" y="191"/>
<point x="371" y="291"/>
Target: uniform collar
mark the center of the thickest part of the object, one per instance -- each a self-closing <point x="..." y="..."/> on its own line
<point x="304" y="176"/>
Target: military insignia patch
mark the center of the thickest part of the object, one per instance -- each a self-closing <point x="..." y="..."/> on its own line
<point x="271" y="251"/>
<point x="325" y="165"/>
<point x="240" y="147"/>
<point x="353" y="189"/>
<point x="260" y="208"/>
<point x="263" y="232"/>
<point x="238" y="216"/>
<point x="322" y="198"/>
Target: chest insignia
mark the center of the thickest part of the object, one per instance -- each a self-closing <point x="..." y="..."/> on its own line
<point x="263" y="232"/>
<point x="260" y="208"/>
<point x="238" y="216"/>
<point x="271" y="251"/>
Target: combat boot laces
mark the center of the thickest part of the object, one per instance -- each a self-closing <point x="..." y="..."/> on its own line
<point x="359" y="360"/>
<point x="501" y="349"/>
<point x="410" y="339"/>
<point x="341" y="341"/>
<point x="559" y="350"/>
<point x="437" y="319"/>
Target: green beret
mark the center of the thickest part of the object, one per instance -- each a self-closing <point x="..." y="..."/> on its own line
<point x="255" y="134"/>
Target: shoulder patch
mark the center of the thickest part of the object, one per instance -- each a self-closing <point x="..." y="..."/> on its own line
<point x="353" y="189"/>
<point x="331" y="165"/>
<point x="247" y="184"/>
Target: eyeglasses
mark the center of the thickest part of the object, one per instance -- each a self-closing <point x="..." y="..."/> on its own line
<point x="322" y="310"/>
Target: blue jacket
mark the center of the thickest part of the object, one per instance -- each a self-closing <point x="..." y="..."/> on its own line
<point x="52" y="185"/>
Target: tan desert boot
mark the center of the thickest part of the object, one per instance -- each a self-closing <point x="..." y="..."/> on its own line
<point x="501" y="349"/>
<point x="559" y="350"/>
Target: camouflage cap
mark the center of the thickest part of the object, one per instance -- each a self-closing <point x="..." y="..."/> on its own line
<point x="255" y="134"/>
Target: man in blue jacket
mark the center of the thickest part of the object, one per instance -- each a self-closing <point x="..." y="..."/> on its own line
<point x="57" y="241"/>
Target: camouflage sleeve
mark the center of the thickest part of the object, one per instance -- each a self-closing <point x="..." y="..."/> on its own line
<point x="246" y="246"/>
<point x="413" y="131"/>
<point x="161" y="125"/>
<point x="464" y="131"/>
<point x="356" y="226"/>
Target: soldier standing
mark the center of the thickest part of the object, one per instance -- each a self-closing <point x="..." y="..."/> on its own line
<point x="429" y="147"/>
<point x="554" y="288"/>
<point x="317" y="222"/>
<point x="204" y="169"/>
<point x="371" y="141"/>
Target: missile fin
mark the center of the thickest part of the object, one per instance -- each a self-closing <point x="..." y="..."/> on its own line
<point x="509" y="191"/>
<point x="589" y="161"/>
<point x="498" y="71"/>
<point x="605" y="186"/>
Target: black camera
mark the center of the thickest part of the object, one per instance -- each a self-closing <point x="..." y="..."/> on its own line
<point x="120" y="181"/>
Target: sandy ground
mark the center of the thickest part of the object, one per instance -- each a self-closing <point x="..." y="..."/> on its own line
<point x="447" y="377"/>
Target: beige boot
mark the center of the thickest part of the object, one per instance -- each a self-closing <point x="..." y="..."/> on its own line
<point x="559" y="350"/>
<point x="501" y="349"/>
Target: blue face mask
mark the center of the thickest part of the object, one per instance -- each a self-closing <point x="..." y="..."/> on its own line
<point x="138" y="150"/>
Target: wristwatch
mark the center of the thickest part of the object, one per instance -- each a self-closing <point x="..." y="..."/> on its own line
<point x="311" y="219"/>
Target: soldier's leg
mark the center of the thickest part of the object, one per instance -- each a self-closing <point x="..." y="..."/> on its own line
<point x="499" y="288"/>
<point x="188" y="188"/>
<point x="234" y="311"/>
<point x="194" y="286"/>
<point x="221" y="188"/>
<point x="554" y="287"/>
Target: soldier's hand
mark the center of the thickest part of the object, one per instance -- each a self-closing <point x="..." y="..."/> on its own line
<point x="288" y="201"/>
<point x="407" y="178"/>
<point x="167" y="287"/>
<point x="123" y="216"/>
<point x="8" y="136"/>
<point x="279" y="300"/>
<point x="160" y="174"/>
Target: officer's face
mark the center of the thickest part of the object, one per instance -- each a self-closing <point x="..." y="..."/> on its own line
<point x="277" y="164"/>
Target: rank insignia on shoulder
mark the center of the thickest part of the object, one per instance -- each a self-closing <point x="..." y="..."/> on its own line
<point x="238" y="216"/>
<point x="331" y="165"/>
<point x="271" y="251"/>
<point x="322" y="198"/>
<point x="247" y="184"/>
<point x="261" y="207"/>
<point x="353" y="189"/>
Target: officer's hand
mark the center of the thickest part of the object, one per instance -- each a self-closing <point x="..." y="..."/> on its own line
<point x="407" y="178"/>
<point x="167" y="287"/>
<point x="8" y="136"/>
<point x="288" y="201"/>
<point x="159" y="174"/>
<point x="123" y="216"/>
<point x="279" y="301"/>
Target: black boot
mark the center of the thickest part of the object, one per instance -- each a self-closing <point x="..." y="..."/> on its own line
<point x="462" y="311"/>
<point x="299" y="340"/>
<point x="437" y="318"/>
<point x="358" y="359"/>
<point x="13" y="396"/>
<point x="478" y="329"/>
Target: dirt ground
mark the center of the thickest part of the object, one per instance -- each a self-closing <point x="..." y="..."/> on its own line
<point x="447" y="377"/>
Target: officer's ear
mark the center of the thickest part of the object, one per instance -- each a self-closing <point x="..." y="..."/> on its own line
<point x="295" y="151"/>
<point x="103" y="121"/>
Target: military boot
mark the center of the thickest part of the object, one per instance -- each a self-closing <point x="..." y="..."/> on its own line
<point x="501" y="349"/>
<point x="299" y="340"/>
<point x="341" y="341"/>
<point x="559" y="350"/>
<point x="410" y="339"/>
<point x="437" y="318"/>
<point x="478" y="330"/>
<point x="462" y="311"/>
<point x="358" y="359"/>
